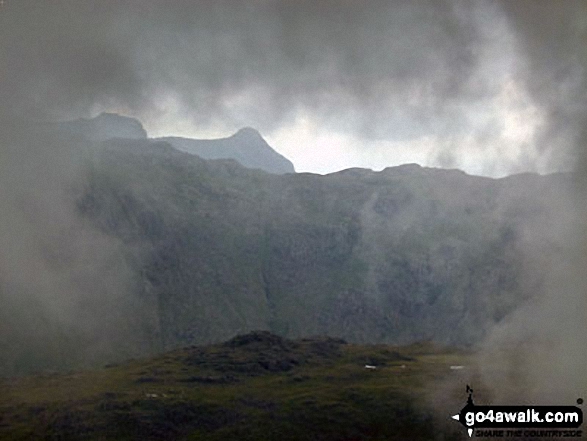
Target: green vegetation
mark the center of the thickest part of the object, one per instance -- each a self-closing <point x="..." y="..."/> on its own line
<point x="254" y="387"/>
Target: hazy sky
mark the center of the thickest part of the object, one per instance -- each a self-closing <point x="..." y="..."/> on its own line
<point x="492" y="87"/>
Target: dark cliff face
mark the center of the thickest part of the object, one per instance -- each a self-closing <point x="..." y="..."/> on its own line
<point x="215" y="249"/>
<point x="405" y="254"/>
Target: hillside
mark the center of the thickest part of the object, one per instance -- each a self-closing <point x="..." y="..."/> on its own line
<point x="253" y="387"/>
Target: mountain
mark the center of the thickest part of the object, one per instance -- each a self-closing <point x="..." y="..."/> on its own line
<point x="210" y="249"/>
<point x="406" y="254"/>
<point x="105" y="126"/>
<point x="246" y="146"/>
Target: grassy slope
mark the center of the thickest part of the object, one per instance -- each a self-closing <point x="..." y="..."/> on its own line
<point x="257" y="386"/>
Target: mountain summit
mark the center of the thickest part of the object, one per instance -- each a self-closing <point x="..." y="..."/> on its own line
<point x="106" y="126"/>
<point x="246" y="146"/>
<point x="248" y="134"/>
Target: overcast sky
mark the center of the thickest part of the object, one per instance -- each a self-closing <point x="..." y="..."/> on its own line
<point x="491" y="87"/>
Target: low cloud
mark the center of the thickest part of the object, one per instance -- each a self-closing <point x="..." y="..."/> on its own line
<point x="387" y="71"/>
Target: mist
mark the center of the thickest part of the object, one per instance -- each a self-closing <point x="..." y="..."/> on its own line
<point x="454" y="73"/>
<point x="69" y="296"/>
<point x="538" y="354"/>
<point x="490" y="86"/>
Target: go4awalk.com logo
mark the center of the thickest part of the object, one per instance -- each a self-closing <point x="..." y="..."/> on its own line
<point x="520" y="421"/>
